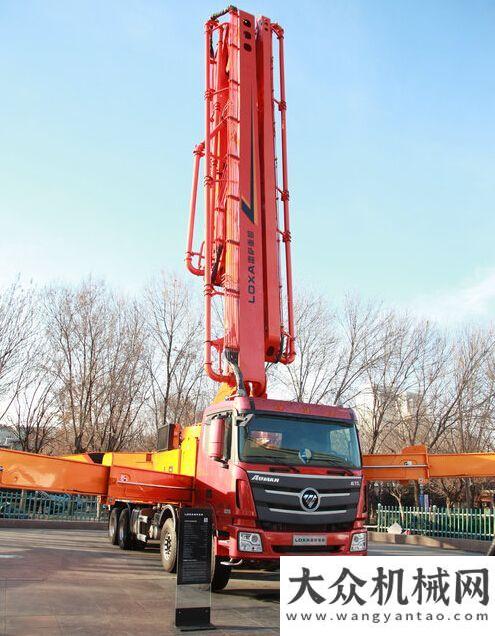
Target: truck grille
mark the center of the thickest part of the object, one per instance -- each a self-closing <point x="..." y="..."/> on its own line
<point x="308" y="501"/>
<point x="274" y="526"/>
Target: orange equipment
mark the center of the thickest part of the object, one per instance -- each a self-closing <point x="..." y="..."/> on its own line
<point x="52" y="474"/>
<point x="416" y="463"/>
<point x="28" y="471"/>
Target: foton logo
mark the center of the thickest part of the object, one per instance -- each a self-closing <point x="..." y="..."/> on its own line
<point x="271" y="480"/>
<point x="310" y="499"/>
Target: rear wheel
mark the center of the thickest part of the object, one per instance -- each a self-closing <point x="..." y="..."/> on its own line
<point x="139" y="545"/>
<point x="113" y="522"/>
<point x="124" y="530"/>
<point x="221" y="576"/>
<point x="168" y="546"/>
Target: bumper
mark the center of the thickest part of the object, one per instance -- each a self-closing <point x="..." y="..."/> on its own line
<point x="277" y="544"/>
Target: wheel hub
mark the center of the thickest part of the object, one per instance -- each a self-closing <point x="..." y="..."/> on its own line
<point x="167" y="546"/>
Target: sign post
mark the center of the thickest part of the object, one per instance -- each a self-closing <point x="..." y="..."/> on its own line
<point x="194" y="560"/>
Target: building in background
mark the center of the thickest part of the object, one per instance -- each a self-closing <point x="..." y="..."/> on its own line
<point x="8" y="438"/>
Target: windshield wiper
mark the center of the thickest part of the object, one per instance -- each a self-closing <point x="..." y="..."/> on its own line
<point x="335" y="460"/>
<point x="271" y="459"/>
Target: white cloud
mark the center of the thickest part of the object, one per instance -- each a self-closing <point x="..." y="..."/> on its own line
<point x="472" y="300"/>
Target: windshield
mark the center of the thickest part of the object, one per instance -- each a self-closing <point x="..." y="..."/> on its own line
<point x="299" y="441"/>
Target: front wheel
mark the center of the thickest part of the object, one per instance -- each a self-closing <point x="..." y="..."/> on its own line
<point x="221" y="576"/>
<point x="168" y="546"/>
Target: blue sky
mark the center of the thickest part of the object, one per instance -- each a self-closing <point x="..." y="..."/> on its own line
<point x="391" y="143"/>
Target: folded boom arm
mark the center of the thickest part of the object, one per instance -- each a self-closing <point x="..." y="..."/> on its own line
<point x="245" y="257"/>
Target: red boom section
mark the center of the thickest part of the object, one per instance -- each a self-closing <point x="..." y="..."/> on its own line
<point x="126" y="483"/>
<point x="241" y="256"/>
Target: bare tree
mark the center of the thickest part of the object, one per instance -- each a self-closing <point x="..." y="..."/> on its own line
<point x="33" y="415"/>
<point x="119" y="403"/>
<point x="334" y="349"/>
<point x="175" y="363"/>
<point x="449" y="405"/>
<point x="98" y="344"/>
<point x="469" y="409"/>
<point x="76" y="330"/>
<point x="17" y="321"/>
<point x="389" y="378"/>
<point x="465" y="400"/>
<point x="416" y="410"/>
<point x="450" y="490"/>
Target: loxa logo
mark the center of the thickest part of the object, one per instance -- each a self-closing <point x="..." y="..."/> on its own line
<point x="310" y="499"/>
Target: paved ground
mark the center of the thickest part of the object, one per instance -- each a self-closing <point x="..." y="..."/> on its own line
<point x="74" y="582"/>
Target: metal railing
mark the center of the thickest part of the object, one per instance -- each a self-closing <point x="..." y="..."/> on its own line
<point x="452" y="523"/>
<point x="27" y="504"/>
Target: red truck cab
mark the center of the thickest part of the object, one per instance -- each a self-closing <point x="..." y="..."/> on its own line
<point x="282" y="478"/>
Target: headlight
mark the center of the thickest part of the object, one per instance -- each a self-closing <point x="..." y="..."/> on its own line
<point x="359" y="542"/>
<point x="250" y="542"/>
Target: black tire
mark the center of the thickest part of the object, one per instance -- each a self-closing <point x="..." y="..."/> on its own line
<point x="221" y="576"/>
<point x="168" y="546"/>
<point x="124" y="530"/>
<point x="113" y="523"/>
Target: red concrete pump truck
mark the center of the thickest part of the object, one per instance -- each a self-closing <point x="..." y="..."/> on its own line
<point x="281" y="478"/>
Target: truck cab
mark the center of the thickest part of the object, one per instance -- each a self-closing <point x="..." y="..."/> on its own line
<point x="282" y="478"/>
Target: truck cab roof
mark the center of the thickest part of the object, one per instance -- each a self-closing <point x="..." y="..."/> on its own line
<point x="247" y="404"/>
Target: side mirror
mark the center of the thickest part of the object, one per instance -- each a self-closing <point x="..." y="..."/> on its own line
<point x="217" y="434"/>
